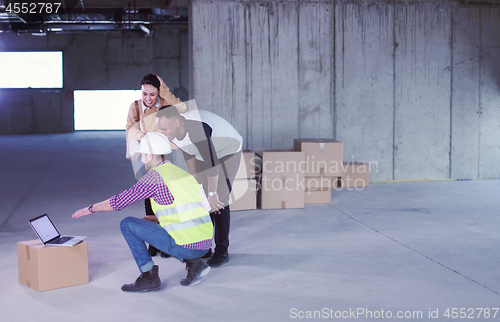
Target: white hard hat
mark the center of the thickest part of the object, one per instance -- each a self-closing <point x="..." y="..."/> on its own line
<point x="155" y="143"/>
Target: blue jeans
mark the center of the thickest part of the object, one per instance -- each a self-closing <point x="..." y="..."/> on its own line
<point x="139" y="231"/>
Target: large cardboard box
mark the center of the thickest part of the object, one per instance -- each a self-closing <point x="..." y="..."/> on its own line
<point x="50" y="267"/>
<point x="318" y="196"/>
<point x="282" y="184"/>
<point x="323" y="156"/>
<point x="356" y="174"/>
<point x="250" y="164"/>
<point x="243" y="195"/>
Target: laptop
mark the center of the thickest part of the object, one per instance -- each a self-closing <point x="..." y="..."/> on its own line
<point x="48" y="234"/>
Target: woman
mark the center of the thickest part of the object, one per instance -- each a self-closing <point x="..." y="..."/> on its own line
<point x="141" y="119"/>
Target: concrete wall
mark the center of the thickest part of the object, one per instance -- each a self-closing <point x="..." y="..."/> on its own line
<point x="92" y="61"/>
<point x="412" y="87"/>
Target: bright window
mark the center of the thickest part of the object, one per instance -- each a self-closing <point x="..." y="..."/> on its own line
<point x="40" y="69"/>
<point x="103" y="109"/>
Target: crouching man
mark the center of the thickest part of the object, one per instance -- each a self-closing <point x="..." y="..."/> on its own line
<point x="185" y="230"/>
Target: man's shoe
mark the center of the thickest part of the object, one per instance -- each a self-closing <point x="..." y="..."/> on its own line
<point x="147" y="282"/>
<point x="218" y="259"/>
<point x="207" y="254"/>
<point x="196" y="268"/>
<point x="164" y="255"/>
<point x="153" y="251"/>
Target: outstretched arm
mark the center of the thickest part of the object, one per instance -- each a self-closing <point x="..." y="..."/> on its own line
<point x="144" y="188"/>
<point x="98" y="207"/>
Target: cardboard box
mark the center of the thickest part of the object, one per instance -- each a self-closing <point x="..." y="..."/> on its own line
<point x="243" y="195"/>
<point x="282" y="191"/>
<point x="282" y="180"/>
<point x="50" y="267"/>
<point x="321" y="183"/>
<point x="250" y="165"/>
<point x="356" y="174"/>
<point x="282" y="175"/>
<point x="318" y="196"/>
<point x="323" y="156"/>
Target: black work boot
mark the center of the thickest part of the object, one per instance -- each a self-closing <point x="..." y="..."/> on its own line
<point x="147" y="282"/>
<point x="218" y="259"/>
<point x="196" y="268"/>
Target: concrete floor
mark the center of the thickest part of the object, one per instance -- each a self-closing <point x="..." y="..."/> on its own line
<point x="408" y="248"/>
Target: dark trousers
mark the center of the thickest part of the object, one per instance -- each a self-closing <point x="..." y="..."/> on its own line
<point x="228" y="166"/>
<point x="148" y="208"/>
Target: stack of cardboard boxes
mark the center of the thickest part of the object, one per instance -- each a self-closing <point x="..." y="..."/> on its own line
<point x="244" y="191"/>
<point x="324" y="167"/>
<point x="291" y="179"/>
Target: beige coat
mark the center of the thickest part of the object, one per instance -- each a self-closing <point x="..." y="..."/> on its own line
<point x="140" y="122"/>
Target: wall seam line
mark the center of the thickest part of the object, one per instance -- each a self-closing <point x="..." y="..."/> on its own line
<point x="452" y="40"/>
<point x="394" y="93"/>
<point x="333" y="102"/>
<point x="479" y="94"/>
<point x="298" y="69"/>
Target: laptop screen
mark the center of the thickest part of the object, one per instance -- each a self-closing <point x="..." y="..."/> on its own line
<point x="44" y="228"/>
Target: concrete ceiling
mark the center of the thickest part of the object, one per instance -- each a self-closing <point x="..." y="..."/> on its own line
<point x="138" y="15"/>
<point x="90" y="15"/>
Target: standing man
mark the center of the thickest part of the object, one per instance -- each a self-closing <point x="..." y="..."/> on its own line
<point x="185" y="229"/>
<point x="212" y="150"/>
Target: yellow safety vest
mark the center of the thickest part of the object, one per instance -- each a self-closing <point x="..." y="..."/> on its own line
<point x="185" y="219"/>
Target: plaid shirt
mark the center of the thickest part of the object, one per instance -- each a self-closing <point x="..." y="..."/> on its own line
<point x="151" y="186"/>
